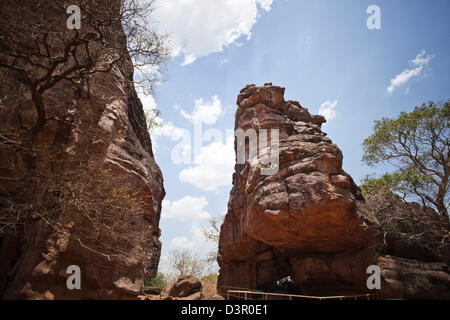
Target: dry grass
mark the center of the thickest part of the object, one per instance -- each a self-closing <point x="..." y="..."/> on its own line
<point x="209" y="284"/>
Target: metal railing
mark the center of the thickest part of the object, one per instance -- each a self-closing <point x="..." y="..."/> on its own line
<point x="246" y="294"/>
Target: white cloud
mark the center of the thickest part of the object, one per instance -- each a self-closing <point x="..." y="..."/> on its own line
<point x="419" y="62"/>
<point x="149" y="104"/>
<point x="189" y="59"/>
<point x="205" y="111"/>
<point x="403" y="78"/>
<point x="145" y="71"/>
<point x="422" y="59"/>
<point x="200" y="27"/>
<point x="164" y="129"/>
<point x="148" y="101"/>
<point x="327" y="109"/>
<point x="196" y="243"/>
<point x="167" y="129"/>
<point x="214" y="166"/>
<point x="265" y="4"/>
<point x="186" y="209"/>
<point x="164" y="264"/>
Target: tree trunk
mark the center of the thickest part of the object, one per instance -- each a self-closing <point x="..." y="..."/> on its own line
<point x="40" y="108"/>
<point x="440" y="201"/>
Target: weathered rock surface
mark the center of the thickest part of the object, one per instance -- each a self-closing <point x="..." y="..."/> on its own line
<point x="186" y="287"/>
<point x="308" y="221"/>
<point x="192" y="297"/>
<point x="412" y="279"/>
<point x="90" y="187"/>
<point x="152" y="290"/>
<point x="310" y="203"/>
<point x="415" y="263"/>
<point x="409" y="230"/>
<point x="276" y="223"/>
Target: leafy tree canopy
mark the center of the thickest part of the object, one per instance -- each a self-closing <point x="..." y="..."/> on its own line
<point x="417" y="145"/>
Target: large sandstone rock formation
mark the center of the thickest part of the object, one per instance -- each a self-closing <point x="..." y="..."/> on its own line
<point x="308" y="221"/>
<point x="87" y="192"/>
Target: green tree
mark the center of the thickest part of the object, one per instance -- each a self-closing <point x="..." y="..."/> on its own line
<point x="416" y="144"/>
<point x="212" y="233"/>
<point x="159" y="281"/>
<point x="153" y="117"/>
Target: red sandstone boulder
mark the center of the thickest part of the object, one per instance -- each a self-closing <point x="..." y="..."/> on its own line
<point x="412" y="279"/>
<point x="186" y="287"/>
<point x="308" y="206"/>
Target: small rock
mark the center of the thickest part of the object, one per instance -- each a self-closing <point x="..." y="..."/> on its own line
<point x="195" y="296"/>
<point x="152" y="290"/>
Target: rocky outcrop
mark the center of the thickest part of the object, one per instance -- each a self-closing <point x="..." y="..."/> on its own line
<point x="413" y="279"/>
<point x="299" y="220"/>
<point x="88" y="189"/>
<point x="306" y="224"/>
<point x="410" y="230"/>
<point x="415" y="263"/>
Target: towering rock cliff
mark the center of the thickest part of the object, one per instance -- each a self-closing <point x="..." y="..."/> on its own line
<point x="308" y="222"/>
<point x="86" y="190"/>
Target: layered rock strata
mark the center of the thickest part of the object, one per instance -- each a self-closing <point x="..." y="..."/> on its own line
<point x="307" y="224"/>
<point x="88" y="188"/>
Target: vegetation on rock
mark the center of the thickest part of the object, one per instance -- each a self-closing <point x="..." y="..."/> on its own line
<point x="417" y="144"/>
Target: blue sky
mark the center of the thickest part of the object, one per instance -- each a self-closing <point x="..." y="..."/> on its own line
<point x="321" y="51"/>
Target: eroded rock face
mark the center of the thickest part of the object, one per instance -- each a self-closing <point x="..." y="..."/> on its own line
<point x="89" y="185"/>
<point x="413" y="279"/>
<point x="185" y="287"/>
<point x="415" y="263"/>
<point x="308" y="207"/>
<point x="308" y="221"/>
<point x="309" y="204"/>
<point x="410" y="230"/>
